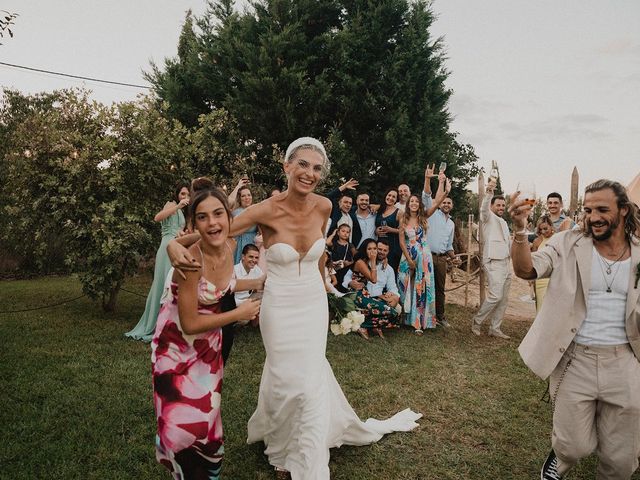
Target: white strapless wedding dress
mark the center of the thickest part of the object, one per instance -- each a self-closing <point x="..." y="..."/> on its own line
<point x="301" y="410"/>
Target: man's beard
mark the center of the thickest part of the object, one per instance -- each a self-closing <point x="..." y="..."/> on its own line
<point x="607" y="233"/>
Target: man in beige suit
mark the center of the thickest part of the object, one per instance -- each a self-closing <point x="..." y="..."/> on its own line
<point x="495" y="261"/>
<point x="586" y="336"/>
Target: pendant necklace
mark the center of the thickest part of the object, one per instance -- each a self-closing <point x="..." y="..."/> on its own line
<point x="609" y="267"/>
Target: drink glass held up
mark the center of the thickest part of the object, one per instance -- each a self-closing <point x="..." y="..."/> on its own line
<point x="527" y="192"/>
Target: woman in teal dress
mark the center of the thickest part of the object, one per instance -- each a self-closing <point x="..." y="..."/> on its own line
<point x="244" y="199"/>
<point x="171" y="221"/>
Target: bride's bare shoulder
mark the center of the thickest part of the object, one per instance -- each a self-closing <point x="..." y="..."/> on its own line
<point x="322" y="202"/>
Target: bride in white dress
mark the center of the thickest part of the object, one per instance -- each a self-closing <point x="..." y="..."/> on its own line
<point x="301" y="410"/>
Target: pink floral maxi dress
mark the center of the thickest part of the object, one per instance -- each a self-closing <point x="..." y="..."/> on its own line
<point x="187" y="386"/>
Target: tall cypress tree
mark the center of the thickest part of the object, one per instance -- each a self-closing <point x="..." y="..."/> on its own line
<point x="365" y="76"/>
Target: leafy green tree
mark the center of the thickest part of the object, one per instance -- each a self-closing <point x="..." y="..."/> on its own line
<point x="82" y="181"/>
<point x="364" y="76"/>
<point x="91" y="178"/>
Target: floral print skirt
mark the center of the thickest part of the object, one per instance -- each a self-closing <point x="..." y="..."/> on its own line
<point x="377" y="314"/>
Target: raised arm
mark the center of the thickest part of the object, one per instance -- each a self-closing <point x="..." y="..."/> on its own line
<point x="334" y="194"/>
<point x="170" y="208"/>
<point x="250" y="217"/>
<point x="444" y="185"/>
<point x="234" y="193"/>
<point x="428" y="175"/>
<point x="520" y="249"/>
<point x="485" y="206"/>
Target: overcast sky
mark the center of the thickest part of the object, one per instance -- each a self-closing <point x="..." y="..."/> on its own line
<point x="539" y="86"/>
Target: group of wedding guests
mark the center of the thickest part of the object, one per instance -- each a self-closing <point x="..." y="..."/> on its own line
<point x="391" y="256"/>
<point x="382" y="254"/>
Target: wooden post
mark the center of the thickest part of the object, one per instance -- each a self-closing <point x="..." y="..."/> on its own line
<point x="469" y="238"/>
<point x="573" y="203"/>
<point x="481" y="193"/>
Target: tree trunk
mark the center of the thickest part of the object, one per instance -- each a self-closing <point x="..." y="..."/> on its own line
<point x="109" y="304"/>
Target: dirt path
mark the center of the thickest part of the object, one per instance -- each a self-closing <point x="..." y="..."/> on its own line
<point x="519" y="309"/>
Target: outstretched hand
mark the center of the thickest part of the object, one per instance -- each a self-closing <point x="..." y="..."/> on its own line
<point x="429" y="171"/>
<point x="350" y="184"/>
<point x="249" y="309"/>
<point x="519" y="211"/>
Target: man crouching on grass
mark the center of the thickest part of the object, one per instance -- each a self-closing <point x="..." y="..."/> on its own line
<point x="586" y="336"/>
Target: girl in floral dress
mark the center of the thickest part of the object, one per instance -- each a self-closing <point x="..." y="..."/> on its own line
<point x="186" y="349"/>
<point x="416" y="282"/>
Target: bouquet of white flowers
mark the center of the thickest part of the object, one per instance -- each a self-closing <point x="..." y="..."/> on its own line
<point x="344" y="315"/>
<point x="350" y="323"/>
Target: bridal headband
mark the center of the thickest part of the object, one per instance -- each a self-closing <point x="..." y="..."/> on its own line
<point x="306" y="142"/>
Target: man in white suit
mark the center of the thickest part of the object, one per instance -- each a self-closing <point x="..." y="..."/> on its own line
<point x="495" y="261"/>
<point x="586" y="336"/>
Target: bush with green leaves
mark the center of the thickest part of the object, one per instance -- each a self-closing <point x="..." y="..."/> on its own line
<point x="84" y="181"/>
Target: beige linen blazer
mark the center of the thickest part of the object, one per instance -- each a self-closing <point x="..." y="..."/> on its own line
<point x="566" y="261"/>
<point x="495" y="233"/>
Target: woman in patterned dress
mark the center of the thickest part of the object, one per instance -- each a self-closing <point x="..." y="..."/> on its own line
<point x="186" y="349"/>
<point x="416" y="282"/>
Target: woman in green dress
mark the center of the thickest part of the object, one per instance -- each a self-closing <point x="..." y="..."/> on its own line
<point x="171" y="220"/>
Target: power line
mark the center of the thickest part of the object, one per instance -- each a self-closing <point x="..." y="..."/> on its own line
<point x="43" y="306"/>
<point x="74" y="76"/>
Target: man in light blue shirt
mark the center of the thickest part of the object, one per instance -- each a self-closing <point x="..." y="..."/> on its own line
<point x="440" y="241"/>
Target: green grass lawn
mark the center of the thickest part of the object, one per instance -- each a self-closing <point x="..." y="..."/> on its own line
<point x="78" y="401"/>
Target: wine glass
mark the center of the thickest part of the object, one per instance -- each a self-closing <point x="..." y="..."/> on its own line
<point x="527" y="192"/>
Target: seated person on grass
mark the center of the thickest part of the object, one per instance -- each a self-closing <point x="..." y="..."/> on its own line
<point x="247" y="269"/>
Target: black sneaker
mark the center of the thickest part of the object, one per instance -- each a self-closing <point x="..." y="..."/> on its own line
<point x="549" y="469"/>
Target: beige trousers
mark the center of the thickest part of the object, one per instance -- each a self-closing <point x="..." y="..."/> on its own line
<point x="597" y="408"/>
<point x="495" y="303"/>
